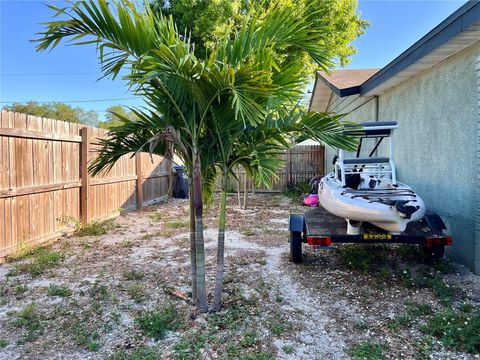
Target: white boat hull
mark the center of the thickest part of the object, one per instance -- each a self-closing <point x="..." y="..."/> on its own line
<point x="360" y="205"/>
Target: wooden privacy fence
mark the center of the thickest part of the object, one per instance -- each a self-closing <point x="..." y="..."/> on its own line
<point x="301" y="164"/>
<point x="44" y="179"/>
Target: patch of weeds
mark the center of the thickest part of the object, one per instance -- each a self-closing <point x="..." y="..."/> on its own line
<point x="400" y="321"/>
<point x="147" y="236"/>
<point x="98" y="291"/>
<point x="384" y="274"/>
<point x="144" y="353"/>
<point x="409" y="253"/>
<point x="20" y="290"/>
<point x="249" y="232"/>
<point x="3" y="343"/>
<point x="278" y="326"/>
<point x="258" y="355"/>
<point x="423" y="348"/>
<point x="95" y="228"/>
<point x="126" y="243"/>
<point x="39" y="260"/>
<point x="156" y="323"/>
<point x="248" y="339"/>
<point x="415" y="309"/>
<point x="443" y="266"/>
<point x="368" y="350"/>
<point x="84" y="336"/>
<point x="22" y="251"/>
<point x="177" y="224"/>
<point x="156" y="216"/>
<point x="133" y="275"/>
<point x="30" y="320"/>
<point x="287" y="349"/>
<point x="58" y="290"/>
<point x="457" y="329"/>
<point x="361" y="257"/>
<point x="231" y="318"/>
<point x="137" y="292"/>
<point x="189" y="346"/>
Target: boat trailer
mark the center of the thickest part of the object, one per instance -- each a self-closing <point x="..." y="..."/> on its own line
<point x="318" y="227"/>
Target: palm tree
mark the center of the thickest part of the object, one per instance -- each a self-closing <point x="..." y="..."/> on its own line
<point x="191" y="102"/>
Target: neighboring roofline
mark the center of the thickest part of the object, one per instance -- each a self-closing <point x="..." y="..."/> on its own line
<point x="340" y="92"/>
<point x="464" y="17"/>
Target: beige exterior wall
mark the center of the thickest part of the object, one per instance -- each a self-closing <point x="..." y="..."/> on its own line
<point x="436" y="145"/>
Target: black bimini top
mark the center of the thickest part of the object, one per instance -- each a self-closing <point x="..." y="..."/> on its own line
<point x="371" y="129"/>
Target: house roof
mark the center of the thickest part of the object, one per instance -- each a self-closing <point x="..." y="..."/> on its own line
<point x="458" y="31"/>
<point x="346" y="81"/>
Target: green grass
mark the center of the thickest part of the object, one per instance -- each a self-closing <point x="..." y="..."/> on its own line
<point x="143" y="353"/>
<point x="189" y="346"/>
<point x="457" y="329"/>
<point x="95" y="228"/>
<point x="177" y="224"/>
<point x="362" y="257"/>
<point x="98" y="291"/>
<point x="3" y="343"/>
<point x="368" y="350"/>
<point x="156" y="216"/>
<point x="249" y="232"/>
<point x="58" y="290"/>
<point x="416" y="309"/>
<point x="133" y="275"/>
<point x="20" y="289"/>
<point x="85" y="336"/>
<point x="156" y="323"/>
<point x="136" y="292"/>
<point x="39" y="260"/>
<point x="30" y="320"/>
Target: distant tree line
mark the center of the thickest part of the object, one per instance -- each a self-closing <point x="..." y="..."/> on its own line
<point x="66" y="112"/>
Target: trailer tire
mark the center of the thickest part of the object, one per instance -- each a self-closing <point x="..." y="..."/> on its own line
<point x="435" y="252"/>
<point x="296" y="255"/>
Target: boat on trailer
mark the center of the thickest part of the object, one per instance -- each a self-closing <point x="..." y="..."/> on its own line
<point x="365" y="188"/>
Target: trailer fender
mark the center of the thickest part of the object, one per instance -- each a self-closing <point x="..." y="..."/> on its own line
<point x="434" y="221"/>
<point x="296" y="222"/>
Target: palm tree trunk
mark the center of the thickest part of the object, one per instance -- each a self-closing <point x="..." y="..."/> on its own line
<point x="193" y="257"/>
<point x="238" y="192"/>
<point x="245" y="192"/>
<point x="217" y="299"/>
<point x="202" y="303"/>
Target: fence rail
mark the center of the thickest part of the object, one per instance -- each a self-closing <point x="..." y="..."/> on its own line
<point x="43" y="178"/>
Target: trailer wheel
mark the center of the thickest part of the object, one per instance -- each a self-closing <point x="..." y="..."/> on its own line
<point x="431" y="253"/>
<point x="296" y="247"/>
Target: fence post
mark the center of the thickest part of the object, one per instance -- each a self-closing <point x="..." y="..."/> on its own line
<point x="85" y="191"/>
<point x="288" y="166"/>
<point x="138" y="170"/>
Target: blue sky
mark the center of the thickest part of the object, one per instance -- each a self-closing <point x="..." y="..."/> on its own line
<point x="69" y="73"/>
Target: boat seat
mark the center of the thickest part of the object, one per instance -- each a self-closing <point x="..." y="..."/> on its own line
<point x="370" y="160"/>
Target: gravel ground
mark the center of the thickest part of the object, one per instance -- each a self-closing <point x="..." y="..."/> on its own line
<point x="85" y="297"/>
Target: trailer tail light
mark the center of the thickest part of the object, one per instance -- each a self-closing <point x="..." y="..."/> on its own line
<point x="447" y="240"/>
<point x="323" y="241"/>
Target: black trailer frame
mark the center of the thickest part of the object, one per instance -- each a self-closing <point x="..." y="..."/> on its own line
<point x="319" y="227"/>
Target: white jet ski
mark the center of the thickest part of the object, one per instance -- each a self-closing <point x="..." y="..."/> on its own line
<point x="365" y="189"/>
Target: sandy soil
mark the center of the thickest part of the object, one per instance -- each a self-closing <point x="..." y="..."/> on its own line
<point x="273" y="308"/>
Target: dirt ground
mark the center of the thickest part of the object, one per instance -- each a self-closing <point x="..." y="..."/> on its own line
<point x="119" y="295"/>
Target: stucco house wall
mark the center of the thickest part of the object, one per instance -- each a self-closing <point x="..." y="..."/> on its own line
<point x="436" y="145"/>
